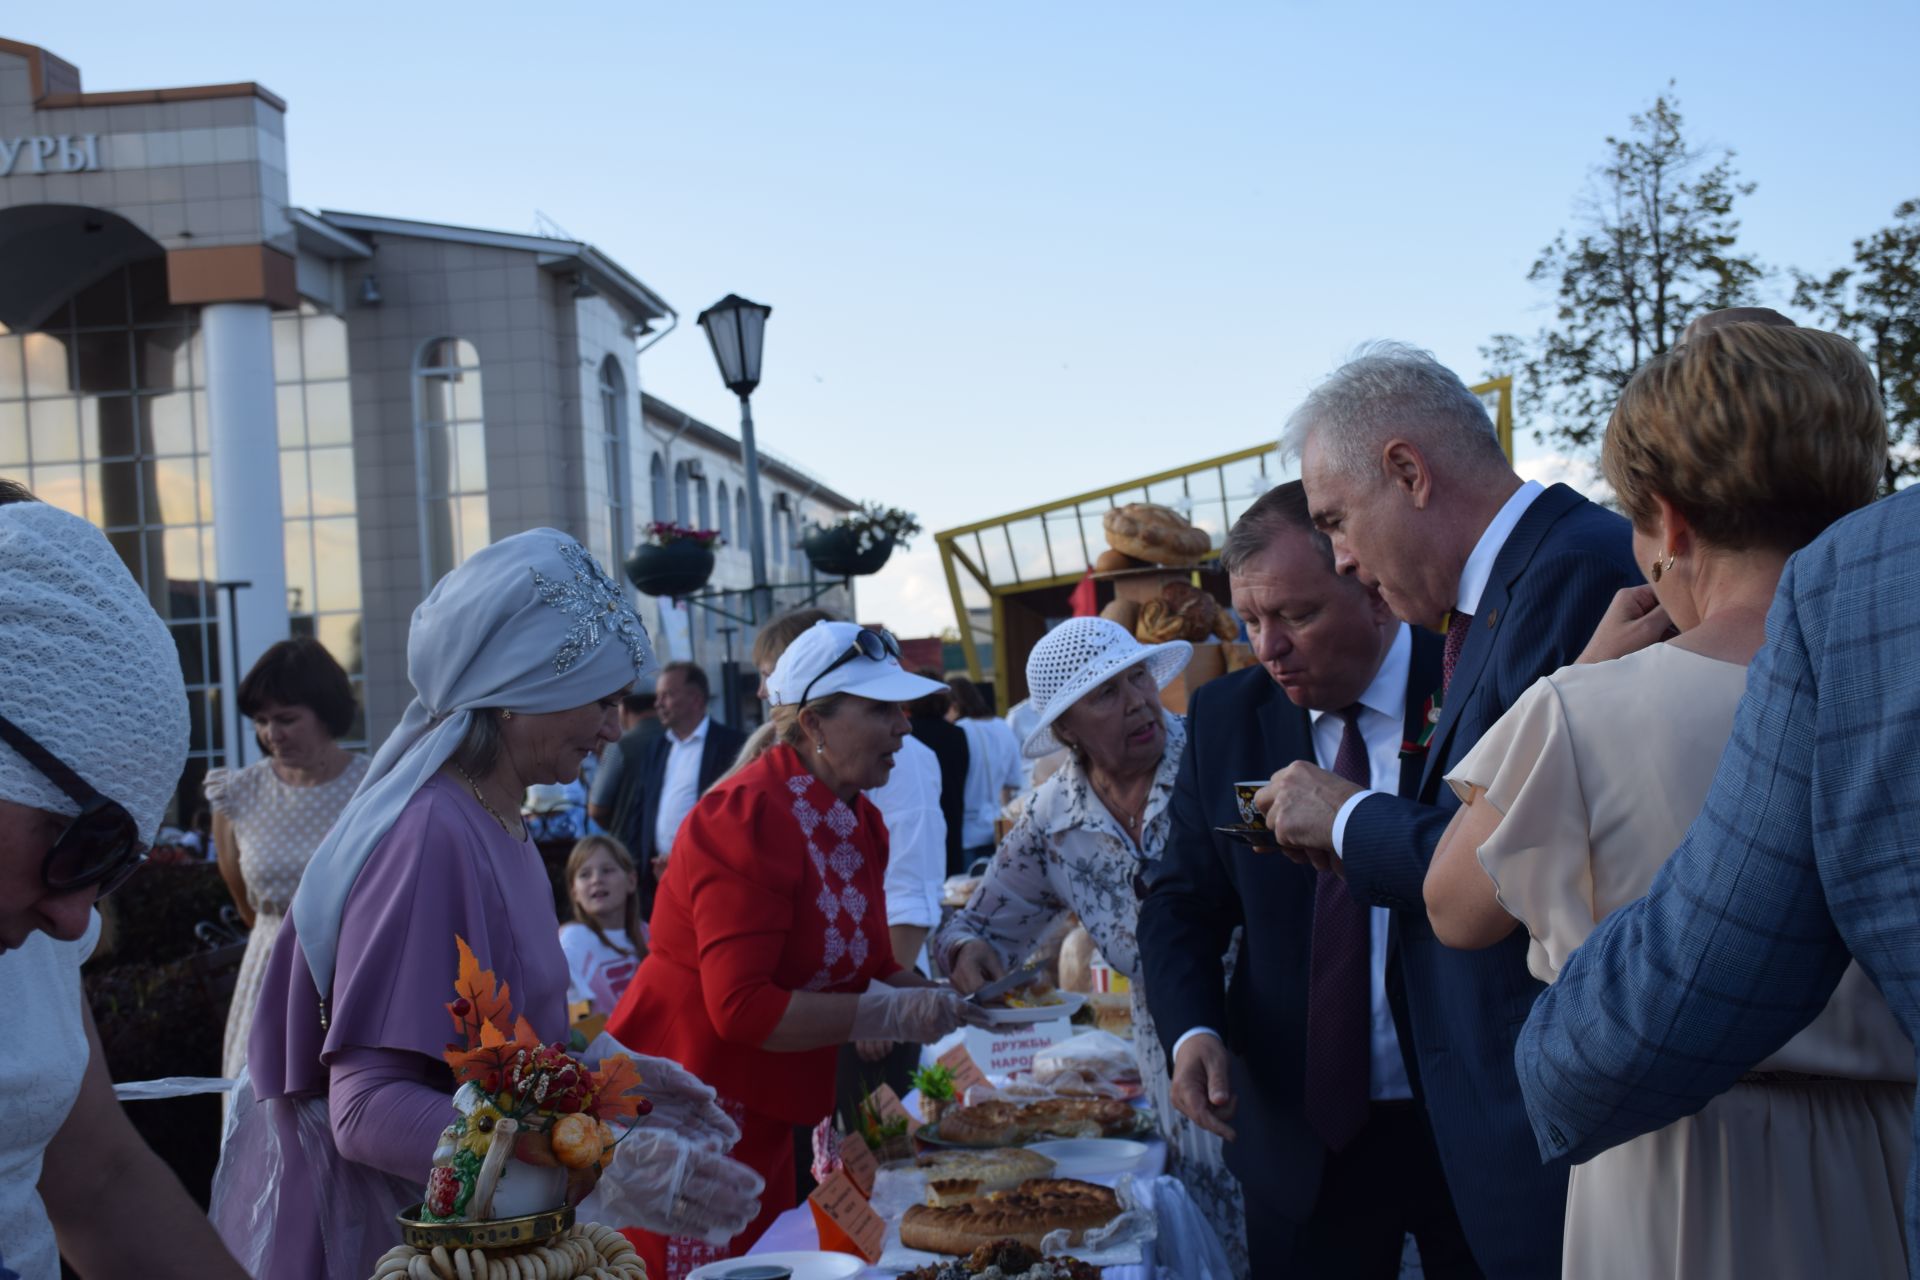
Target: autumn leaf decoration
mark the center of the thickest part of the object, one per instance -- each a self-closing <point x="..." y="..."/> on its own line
<point x="482" y="1012"/>
<point x="616" y="1091"/>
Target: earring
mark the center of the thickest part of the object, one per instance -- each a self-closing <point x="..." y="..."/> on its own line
<point x="819" y="748"/>
<point x="1661" y="568"/>
<point x="506" y="715"/>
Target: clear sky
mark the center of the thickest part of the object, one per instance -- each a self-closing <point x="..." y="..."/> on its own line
<point x="1016" y="250"/>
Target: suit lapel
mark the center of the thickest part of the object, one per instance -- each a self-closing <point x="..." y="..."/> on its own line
<point x="1514" y="557"/>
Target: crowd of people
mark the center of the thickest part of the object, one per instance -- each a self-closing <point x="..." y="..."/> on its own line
<point x="1456" y="986"/>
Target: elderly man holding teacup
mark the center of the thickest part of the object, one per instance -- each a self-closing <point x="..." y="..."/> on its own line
<point x="1296" y="1062"/>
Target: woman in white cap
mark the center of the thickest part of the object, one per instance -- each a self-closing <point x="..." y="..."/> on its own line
<point x="518" y="659"/>
<point x="81" y="649"/>
<point x="1082" y="846"/>
<point x="769" y="945"/>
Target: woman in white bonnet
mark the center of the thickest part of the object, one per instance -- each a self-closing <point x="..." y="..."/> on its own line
<point x="80" y="647"/>
<point x="519" y="659"/>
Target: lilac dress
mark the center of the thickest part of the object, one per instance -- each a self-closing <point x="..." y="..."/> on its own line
<point x="286" y="1201"/>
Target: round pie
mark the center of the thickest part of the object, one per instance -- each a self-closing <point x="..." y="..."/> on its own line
<point x="955" y="1176"/>
<point x="1026" y="1214"/>
<point x="1156" y="534"/>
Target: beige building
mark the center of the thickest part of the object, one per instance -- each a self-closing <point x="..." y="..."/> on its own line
<point x="331" y="408"/>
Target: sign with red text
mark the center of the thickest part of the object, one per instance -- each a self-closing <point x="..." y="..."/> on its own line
<point x="1006" y="1051"/>
<point x="887" y="1105"/>
<point x="966" y="1072"/>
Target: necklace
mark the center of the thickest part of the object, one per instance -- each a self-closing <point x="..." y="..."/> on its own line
<point x="1130" y="819"/>
<point x="495" y="813"/>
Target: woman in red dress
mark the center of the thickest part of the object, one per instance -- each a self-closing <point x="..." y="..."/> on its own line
<point x="769" y="937"/>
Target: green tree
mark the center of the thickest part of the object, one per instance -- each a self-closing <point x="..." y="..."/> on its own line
<point x="1876" y="303"/>
<point x="1655" y="246"/>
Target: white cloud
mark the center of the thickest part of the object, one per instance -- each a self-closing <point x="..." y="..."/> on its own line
<point x="910" y="595"/>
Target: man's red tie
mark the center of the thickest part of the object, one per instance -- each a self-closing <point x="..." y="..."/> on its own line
<point x="1340" y="984"/>
<point x="1458" y="624"/>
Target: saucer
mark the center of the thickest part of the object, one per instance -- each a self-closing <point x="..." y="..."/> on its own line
<point x="1254" y="836"/>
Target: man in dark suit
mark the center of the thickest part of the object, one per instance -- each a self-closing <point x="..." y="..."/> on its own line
<point x="676" y="770"/>
<point x="1405" y="474"/>
<point x="1297" y="1063"/>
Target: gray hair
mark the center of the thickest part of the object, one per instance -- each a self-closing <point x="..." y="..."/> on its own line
<point x="479" y="749"/>
<point x="1392" y="389"/>
<point x="1279" y="509"/>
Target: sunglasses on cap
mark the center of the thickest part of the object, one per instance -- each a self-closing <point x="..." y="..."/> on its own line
<point x="867" y="643"/>
<point x="101" y="846"/>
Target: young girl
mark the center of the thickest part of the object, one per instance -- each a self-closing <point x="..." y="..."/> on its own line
<point x="604" y="941"/>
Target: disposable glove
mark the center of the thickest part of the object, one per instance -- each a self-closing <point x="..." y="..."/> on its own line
<point x="663" y="1184"/>
<point x="682" y="1104"/>
<point x="918" y="1014"/>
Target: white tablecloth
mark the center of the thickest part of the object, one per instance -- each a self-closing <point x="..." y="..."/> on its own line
<point x="794" y="1229"/>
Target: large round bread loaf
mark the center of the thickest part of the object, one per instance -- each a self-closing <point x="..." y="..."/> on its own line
<point x="1026" y="1214"/>
<point x="1156" y="534"/>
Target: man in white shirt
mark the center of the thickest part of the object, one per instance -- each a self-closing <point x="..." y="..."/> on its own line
<point x="1298" y="1064"/>
<point x="679" y="766"/>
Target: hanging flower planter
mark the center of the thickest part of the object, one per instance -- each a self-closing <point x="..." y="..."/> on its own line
<point x="674" y="561"/>
<point x="861" y="543"/>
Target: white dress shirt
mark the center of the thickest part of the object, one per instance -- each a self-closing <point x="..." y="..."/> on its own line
<point x="679" y="784"/>
<point x="1383" y="725"/>
<point x="916" y="835"/>
<point x="1474" y="576"/>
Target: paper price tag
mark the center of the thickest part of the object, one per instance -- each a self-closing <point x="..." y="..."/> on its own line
<point x="857" y="1158"/>
<point x="887" y="1105"/>
<point x="966" y="1072"/>
<point x="846" y="1222"/>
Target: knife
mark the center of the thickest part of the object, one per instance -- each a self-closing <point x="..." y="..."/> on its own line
<point x="1000" y="986"/>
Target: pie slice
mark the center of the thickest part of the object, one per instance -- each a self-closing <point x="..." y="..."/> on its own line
<point x="1024" y="1215"/>
<point x="955" y="1176"/>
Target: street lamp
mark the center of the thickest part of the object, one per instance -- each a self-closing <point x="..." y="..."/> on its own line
<point x="736" y="329"/>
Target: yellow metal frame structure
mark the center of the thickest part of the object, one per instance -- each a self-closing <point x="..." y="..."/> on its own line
<point x="1050" y="566"/>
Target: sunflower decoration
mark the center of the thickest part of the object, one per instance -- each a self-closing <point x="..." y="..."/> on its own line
<point x="510" y="1084"/>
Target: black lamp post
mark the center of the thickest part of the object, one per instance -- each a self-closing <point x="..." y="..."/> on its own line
<point x="736" y="329"/>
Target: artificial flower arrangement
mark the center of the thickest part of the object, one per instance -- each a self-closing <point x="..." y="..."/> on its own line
<point x="664" y="533"/>
<point x="511" y="1084"/>
<point x="935" y="1084"/>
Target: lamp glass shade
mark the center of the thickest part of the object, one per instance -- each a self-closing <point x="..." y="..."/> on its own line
<point x="736" y="329"/>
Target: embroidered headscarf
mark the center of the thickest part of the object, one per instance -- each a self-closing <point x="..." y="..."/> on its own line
<point x="530" y="624"/>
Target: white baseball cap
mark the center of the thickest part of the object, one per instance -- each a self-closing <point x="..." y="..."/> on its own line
<point x="839" y="657"/>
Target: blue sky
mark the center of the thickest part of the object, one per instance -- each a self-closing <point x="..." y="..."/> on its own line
<point x="1019" y="250"/>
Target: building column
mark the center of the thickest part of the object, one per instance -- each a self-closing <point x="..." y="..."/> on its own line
<point x="248" y="536"/>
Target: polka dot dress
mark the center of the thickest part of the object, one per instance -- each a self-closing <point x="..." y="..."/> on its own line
<point x="277" y="828"/>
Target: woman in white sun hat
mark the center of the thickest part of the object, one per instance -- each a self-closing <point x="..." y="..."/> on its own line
<point x="768" y="947"/>
<point x="1083" y="844"/>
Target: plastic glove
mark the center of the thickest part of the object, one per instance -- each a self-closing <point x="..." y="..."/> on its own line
<point x="660" y="1183"/>
<point x="919" y="1014"/>
<point x="682" y="1103"/>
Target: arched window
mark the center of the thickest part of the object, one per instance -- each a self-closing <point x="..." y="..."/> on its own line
<point x="613" y="449"/>
<point x="450" y="453"/>
<point x="742" y="519"/>
<point x="706" y="504"/>
<point x="724" y="510"/>
<point x="682" y="494"/>
<point x="657" y="473"/>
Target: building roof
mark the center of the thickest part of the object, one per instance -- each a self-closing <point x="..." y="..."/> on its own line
<point x="595" y="267"/>
<point x="721" y="442"/>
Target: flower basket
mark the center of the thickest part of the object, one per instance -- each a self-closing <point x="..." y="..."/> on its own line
<point x="673" y="569"/>
<point x="836" y="552"/>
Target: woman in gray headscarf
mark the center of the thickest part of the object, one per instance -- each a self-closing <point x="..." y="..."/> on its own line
<point x="519" y="659"/>
<point x="81" y="650"/>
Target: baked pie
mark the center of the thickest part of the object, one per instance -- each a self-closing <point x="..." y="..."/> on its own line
<point x="1027" y="1214"/>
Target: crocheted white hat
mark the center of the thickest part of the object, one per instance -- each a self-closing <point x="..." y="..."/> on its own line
<point x="1079" y="655"/>
<point x="87" y="669"/>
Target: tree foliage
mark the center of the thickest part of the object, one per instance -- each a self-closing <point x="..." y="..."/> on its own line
<point x="1656" y="246"/>
<point x="1876" y="303"/>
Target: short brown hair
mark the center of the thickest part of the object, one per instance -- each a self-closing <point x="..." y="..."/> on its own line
<point x="300" y="673"/>
<point x="1280" y="508"/>
<point x="693" y="673"/>
<point x="1760" y="436"/>
<point x="782" y="630"/>
<point x="966" y="696"/>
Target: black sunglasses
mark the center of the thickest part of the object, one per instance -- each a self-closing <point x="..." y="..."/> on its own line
<point x="867" y="643"/>
<point x="101" y="845"/>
